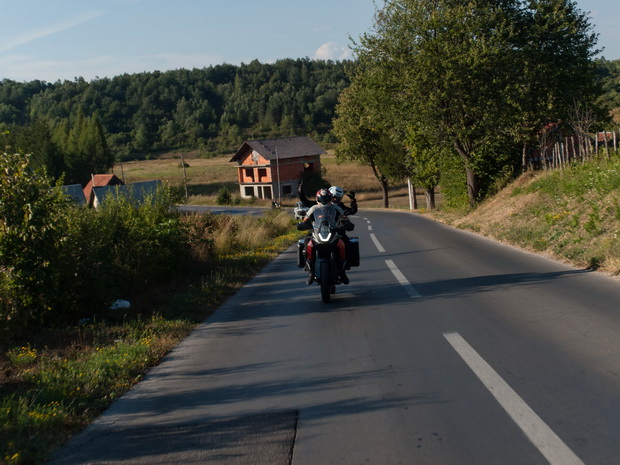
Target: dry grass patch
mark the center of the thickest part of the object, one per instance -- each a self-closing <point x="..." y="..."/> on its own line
<point x="206" y="177"/>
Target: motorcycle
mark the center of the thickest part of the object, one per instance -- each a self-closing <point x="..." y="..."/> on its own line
<point x="322" y="252"/>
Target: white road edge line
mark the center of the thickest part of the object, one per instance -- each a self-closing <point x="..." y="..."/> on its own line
<point x="402" y="280"/>
<point x="377" y="244"/>
<point x="547" y="442"/>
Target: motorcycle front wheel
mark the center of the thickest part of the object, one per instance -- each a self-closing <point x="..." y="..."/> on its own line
<point x="325" y="282"/>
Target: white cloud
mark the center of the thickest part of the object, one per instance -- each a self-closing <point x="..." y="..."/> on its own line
<point x="29" y="36"/>
<point x="331" y="51"/>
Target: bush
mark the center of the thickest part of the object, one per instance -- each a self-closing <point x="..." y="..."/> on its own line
<point x="121" y="248"/>
<point x="60" y="262"/>
<point x="32" y="234"/>
<point x="224" y="196"/>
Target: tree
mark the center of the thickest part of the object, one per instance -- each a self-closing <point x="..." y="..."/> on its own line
<point x="363" y="139"/>
<point x="424" y="163"/>
<point x="557" y="71"/>
<point x="36" y="138"/>
<point x="96" y="146"/>
<point x="460" y="71"/>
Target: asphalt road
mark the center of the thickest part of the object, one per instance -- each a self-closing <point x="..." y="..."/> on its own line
<point x="445" y="349"/>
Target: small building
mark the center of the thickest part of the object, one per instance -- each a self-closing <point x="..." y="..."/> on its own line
<point x="99" y="180"/>
<point x="75" y="192"/>
<point x="273" y="168"/>
<point x="136" y="192"/>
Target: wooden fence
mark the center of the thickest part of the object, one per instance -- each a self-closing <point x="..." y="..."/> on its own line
<point x="560" y="153"/>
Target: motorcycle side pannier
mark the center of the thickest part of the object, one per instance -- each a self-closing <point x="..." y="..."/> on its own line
<point x="353" y="252"/>
<point x="301" y="258"/>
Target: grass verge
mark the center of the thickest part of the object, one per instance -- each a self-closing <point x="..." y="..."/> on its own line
<point x="571" y="215"/>
<point x="61" y="380"/>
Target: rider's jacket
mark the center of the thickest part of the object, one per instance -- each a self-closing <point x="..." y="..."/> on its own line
<point x="309" y="218"/>
<point x="313" y="208"/>
<point x="352" y="210"/>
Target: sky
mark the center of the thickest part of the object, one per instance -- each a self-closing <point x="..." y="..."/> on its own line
<point x="51" y="40"/>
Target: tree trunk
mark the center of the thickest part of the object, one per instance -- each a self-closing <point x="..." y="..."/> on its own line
<point x="473" y="185"/>
<point x="473" y="189"/>
<point x="430" y="198"/>
<point x="384" y="184"/>
<point x="385" y="188"/>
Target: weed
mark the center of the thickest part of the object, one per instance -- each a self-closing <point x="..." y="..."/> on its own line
<point x="22" y="357"/>
<point x="592" y="224"/>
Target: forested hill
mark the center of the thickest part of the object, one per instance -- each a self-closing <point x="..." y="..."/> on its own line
<point x="212" y="109"/>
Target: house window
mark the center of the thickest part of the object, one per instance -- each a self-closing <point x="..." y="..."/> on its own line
<point x="249" y="173"/>
<point x="262" y="174"/>
<point x="249" y="191"/>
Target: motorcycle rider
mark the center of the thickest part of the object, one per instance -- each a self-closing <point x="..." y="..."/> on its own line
<point x="325" y="199"/>
<point x="337" y="194"/>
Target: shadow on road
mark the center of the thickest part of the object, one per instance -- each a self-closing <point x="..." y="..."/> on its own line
<point x="477" y="284"/>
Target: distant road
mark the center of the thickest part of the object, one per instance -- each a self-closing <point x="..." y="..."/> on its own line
<point x="446" y="349"/>
<point x="227" y="210"/>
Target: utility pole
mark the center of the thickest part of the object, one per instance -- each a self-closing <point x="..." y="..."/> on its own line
<point x="184" y="175"/>
<point x="278" y="173"/>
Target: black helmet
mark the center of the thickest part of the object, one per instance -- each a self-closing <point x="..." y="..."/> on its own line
<point x="323" y="197"/>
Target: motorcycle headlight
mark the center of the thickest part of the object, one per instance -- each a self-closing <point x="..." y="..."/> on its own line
<point x="325" y="233"/>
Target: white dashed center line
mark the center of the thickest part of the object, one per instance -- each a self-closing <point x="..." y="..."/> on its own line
<point x="377" y="243"/>
<point x="402" y="280"/>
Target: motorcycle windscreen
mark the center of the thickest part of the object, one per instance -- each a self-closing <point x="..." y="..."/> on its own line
<point x="325" y="214"/>
<point x="324" y="223"/>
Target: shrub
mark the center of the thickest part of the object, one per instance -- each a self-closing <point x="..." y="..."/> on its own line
<point x="224" y="196"/>
<point x="120" y="248"/>
<point x="60" y="262"/>
<point x="32" y="232"/>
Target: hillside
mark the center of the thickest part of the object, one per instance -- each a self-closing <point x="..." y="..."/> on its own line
<point x="571" y="215"/>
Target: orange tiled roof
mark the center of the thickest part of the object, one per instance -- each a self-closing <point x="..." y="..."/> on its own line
<point x="99" y="180"/>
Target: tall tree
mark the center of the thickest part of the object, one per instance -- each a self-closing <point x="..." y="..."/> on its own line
<point x="459" y="70"/>
<point x="364" y="139"/>
<point x="36" y="138"/>
<point x="557" y="70"/>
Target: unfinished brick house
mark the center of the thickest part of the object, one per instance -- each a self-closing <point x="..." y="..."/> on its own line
<point x="273" y="168"/>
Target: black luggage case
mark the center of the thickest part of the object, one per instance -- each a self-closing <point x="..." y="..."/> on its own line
<point x="353" y="252"/>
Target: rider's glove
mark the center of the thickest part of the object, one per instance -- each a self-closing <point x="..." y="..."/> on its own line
<point x="351" y="195"/>
<point x="303" y="226"/>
